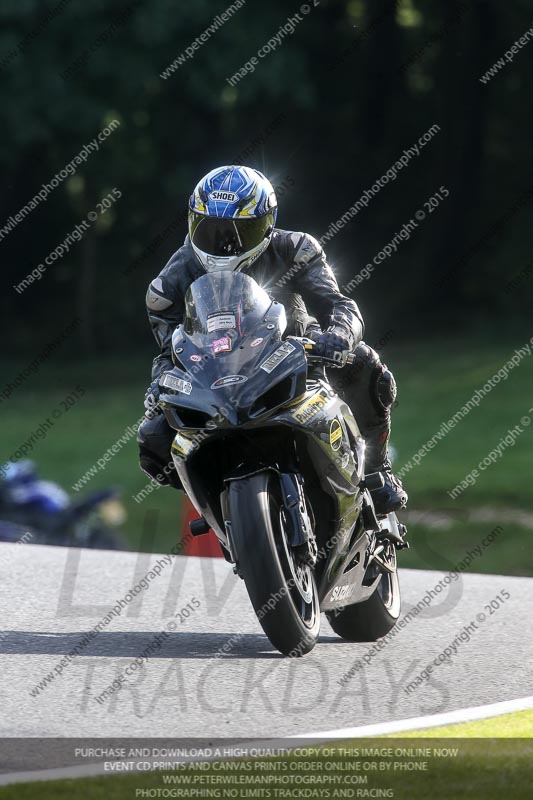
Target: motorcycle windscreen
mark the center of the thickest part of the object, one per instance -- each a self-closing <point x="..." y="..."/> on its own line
<point x="225" y="301"/>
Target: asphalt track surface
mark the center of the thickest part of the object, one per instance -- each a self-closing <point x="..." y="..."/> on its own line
<point x="191" y="686"/>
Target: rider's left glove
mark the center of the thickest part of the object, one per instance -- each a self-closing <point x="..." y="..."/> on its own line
<point x="334" y="344"/>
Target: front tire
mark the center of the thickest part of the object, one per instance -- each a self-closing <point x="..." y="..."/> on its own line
<point x="373" y="618"/>
<point x="282" y="591"/>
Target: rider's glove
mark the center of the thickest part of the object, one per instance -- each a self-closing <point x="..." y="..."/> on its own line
<point x="335" y="344"/>
<point x="151" y="400"/>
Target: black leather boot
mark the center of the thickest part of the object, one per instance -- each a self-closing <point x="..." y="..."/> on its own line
<point x="392" y="496"/>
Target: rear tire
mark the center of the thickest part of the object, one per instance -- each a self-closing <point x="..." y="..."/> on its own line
<point x="373" y="618"/>
<point x="282" y="591"/>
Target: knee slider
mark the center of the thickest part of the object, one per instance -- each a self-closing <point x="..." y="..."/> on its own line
<point x="386" y="390"/>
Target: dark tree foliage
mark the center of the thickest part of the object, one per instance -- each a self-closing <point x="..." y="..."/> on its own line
<point x="325" y="115"/>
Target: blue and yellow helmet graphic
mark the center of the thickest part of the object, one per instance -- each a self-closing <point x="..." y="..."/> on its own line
<point x="232" y="214"/>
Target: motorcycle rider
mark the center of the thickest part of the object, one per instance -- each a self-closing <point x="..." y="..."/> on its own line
<point x="232" y="217"/>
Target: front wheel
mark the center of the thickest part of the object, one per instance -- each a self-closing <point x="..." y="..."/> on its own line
<point x="373" y="618"/>
<point x="282" y="590"/>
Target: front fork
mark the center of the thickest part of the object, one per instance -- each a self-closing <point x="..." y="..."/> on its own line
<point x="298" y="523"/>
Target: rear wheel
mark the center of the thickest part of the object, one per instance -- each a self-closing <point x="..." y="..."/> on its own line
<point x="373" y="618"/>
<point x="282" y="589"/>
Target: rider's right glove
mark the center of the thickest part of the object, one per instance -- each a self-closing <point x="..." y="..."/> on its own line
<point x="334" y="344"/>
<point x="151" y="400"/>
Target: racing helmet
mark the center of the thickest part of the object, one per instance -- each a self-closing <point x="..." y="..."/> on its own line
<point x="232" y="214"/>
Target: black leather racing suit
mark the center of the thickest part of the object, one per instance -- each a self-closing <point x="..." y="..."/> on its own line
<point x="294" y="270"/>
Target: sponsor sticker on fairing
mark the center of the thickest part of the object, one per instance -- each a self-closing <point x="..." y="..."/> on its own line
<point x="221" y="345"/>
<point x="309" y="408"/>
<point x="277" y="357"/>
<point x="195" y="357"/>
<point x="335" y="434"/>
<point x="256" y="342"/>
<point x="228" y="380"/>
<point x="219" y="322"/>
<point x="178" y="384"/>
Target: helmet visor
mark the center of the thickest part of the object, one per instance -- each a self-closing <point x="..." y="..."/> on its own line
<point x="221" y="236"/>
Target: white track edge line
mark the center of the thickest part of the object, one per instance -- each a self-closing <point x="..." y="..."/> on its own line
<point x="430" y="721"/>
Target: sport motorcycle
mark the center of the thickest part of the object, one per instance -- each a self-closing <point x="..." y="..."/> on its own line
<point x="274" y="463"/>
